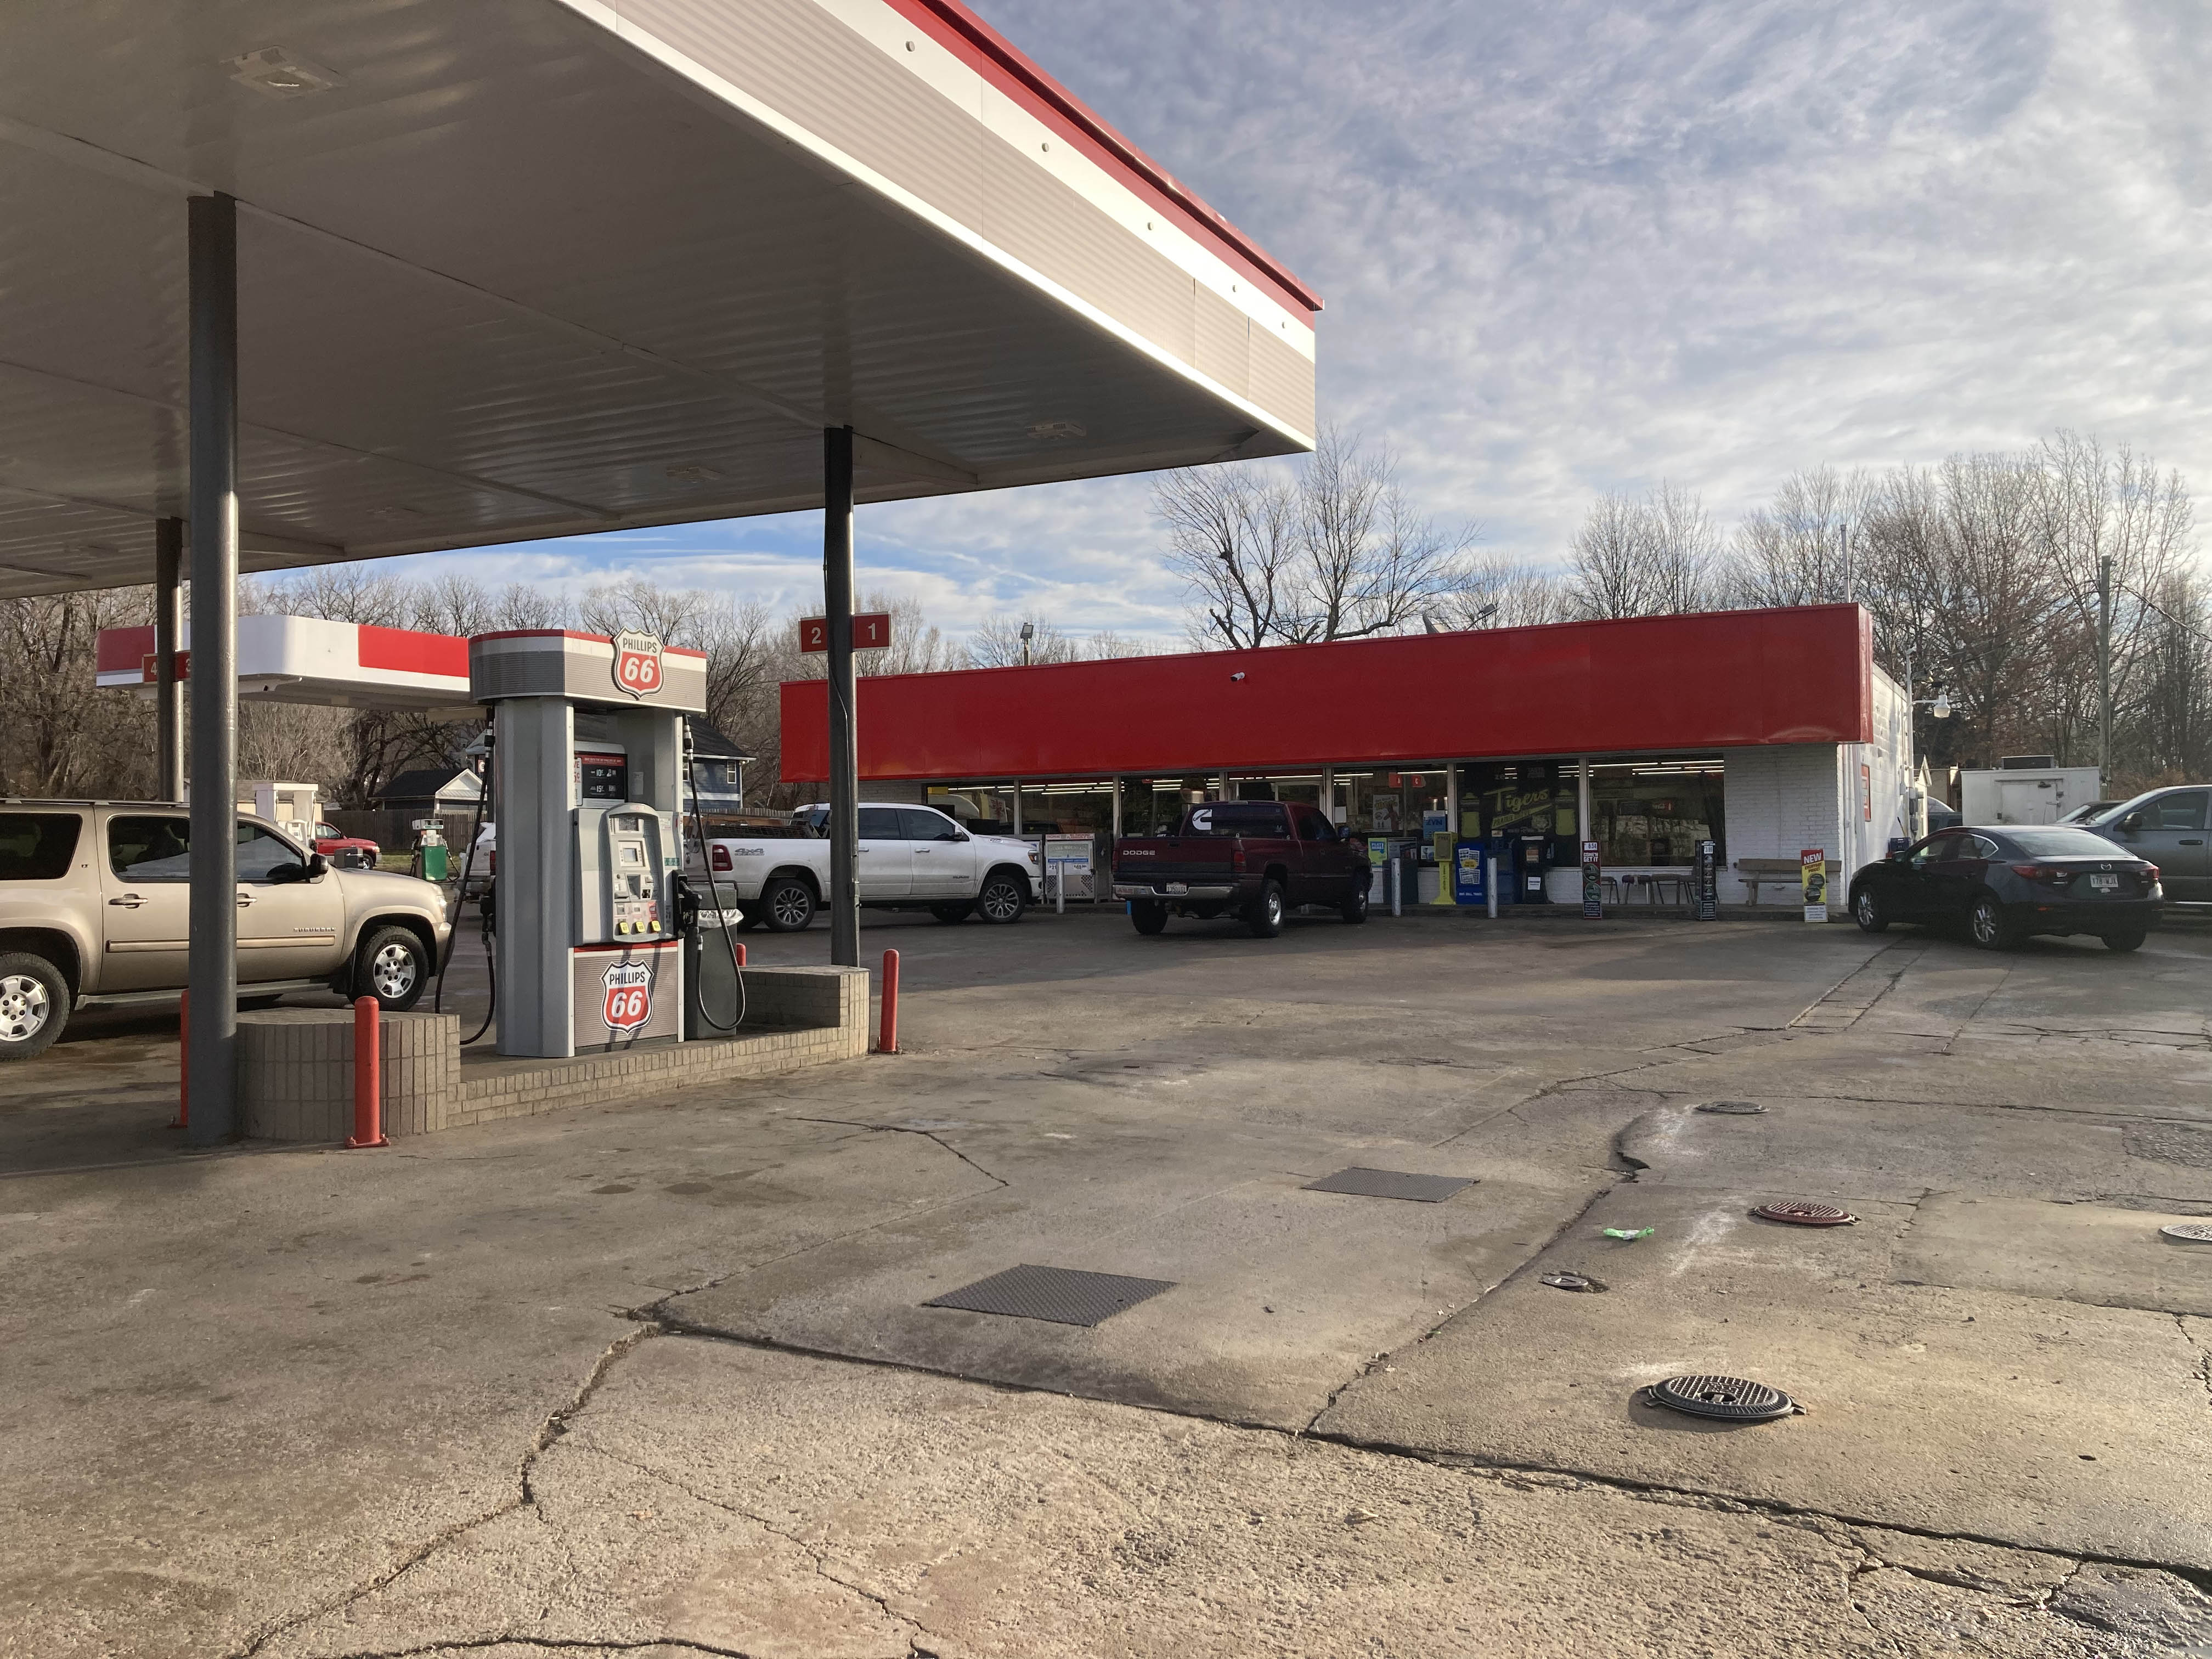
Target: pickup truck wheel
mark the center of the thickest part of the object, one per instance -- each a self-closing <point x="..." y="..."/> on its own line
<point x="393" y="967"/>
<point x="1265" y="918"/>
<point x="789" y="903"/>
<point x="952" y="913"/>
<point x="34" y="1004"/>
<point x="1355" y="907"/>
<point x="1149" y="914"/>
<point x="1002" y="898"/>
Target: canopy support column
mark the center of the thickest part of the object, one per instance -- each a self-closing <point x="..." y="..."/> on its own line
<point x="844" y="741"/>
<point x="169" y="691"/>
<point x="213" y="447"/>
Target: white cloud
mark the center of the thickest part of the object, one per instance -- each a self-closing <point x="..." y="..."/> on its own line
<point x="1590" y="243"/>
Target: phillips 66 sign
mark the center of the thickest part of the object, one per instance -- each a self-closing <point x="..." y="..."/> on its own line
<point x="629" y="996"/>
<point x="637" y="664"/>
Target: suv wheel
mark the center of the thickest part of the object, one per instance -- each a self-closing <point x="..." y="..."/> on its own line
<point x="1002" y="898"/>
<point x="393" y="967"/>
<point x="2130" y="939"/>
<point x="788" y="904"/>
<point x="33" y="1005"/>
<point x="1265" y="918"/>
<point x="1987" y="927"/>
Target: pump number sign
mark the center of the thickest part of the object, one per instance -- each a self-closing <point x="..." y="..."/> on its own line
<point x="872" y="631"/>
<point x="637" y="664"/>
<point x="629" y="996"/>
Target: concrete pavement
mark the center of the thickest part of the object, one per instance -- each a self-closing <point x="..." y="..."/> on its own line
<point x="657" y="1376"/>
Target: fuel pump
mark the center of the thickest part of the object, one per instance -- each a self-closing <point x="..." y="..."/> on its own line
<point x="587" y="766"/>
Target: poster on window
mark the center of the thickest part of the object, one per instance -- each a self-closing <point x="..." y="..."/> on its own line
<point x="1384" y="809"/>
<point x="1813" y="871"/>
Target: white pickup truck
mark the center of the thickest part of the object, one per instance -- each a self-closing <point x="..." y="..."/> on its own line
<point x="912" y="858"/>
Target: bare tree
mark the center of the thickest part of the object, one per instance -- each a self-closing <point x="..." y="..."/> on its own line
<point x="1642" y="558"/>
<point x="1801" y="549"/>
<point x="1234" y="533"/>
<point x="997" y="643"/>
<point x="1499" y="592"/>
<point x="1107" y="646"/>
<point x="1338" y="554"/>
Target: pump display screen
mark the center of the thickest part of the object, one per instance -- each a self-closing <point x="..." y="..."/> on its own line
<point x="602" y="777"/>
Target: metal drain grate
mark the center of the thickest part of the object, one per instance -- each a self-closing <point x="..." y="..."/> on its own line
<point x="2188" y="1233"/>
<point x="1803" y="1212"/>
<point x="1733" y="1108"/>
<point x="1061" y="1296"/>
<point x="1571" y="1282"/>
<point x="1390" y="1183"/>
<point x="1731" y="1399"/>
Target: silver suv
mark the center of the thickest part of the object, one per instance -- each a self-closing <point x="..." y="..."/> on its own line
<point x="93" y="909"/>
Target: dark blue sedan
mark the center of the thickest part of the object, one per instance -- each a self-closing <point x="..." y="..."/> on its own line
<point x="2006" y="883"/>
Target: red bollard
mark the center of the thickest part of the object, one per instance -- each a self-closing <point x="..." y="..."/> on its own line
<point x="184" y="1062"/>
<point x="887" y="1037"/>
<point x="368" y="1076"/>
<point x="741" y="956"/>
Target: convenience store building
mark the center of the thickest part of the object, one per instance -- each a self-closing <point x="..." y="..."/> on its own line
<point x="1768" y="731"/>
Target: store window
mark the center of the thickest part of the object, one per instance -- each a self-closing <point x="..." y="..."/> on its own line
<point x="1394" y="801"/>
<point x="1652" y="813"/>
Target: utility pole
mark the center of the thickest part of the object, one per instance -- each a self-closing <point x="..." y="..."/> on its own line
<point x="2105" y="672"/>
<point x="1844" y="535"/>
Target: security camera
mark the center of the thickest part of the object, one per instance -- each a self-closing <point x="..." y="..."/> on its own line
<point x="1237" y="676"/>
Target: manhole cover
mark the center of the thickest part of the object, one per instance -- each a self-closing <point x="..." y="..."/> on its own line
<point x="1733" y="1108"/>
<point x="1572" y="1282"/>
<point x="1732" y="1399"/>
<point x="2193" y="1233"/>
<point x="1391" y="1183"/>
<point x="1061" y="1296"/>
<point x="1803" y="1212"/>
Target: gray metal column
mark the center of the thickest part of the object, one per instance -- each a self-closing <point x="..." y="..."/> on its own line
<point x="534" y="758"/>
<point x="213" y="447"/>
<point x="168" y="691"/>
<point x="844" y="738"/>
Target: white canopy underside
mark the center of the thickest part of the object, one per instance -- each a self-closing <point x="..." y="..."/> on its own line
<point x="537" y="271"/>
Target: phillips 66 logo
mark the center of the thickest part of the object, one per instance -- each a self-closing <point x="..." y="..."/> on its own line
<point x="629" y="996"/>
<point x="637" y="664"/>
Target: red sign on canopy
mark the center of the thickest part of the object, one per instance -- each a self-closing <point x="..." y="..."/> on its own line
<point x="871" y="632"/>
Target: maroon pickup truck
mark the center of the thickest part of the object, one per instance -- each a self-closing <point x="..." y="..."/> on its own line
<point x="1250" y="859"/>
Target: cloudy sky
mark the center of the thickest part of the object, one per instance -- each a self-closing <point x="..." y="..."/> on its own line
<point x="1581" y="246"/>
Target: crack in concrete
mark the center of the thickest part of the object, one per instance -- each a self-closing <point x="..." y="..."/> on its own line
<point x="818" y="1557"/>
<point x="551" y="1429"/>
<point x="929" y="1135"/>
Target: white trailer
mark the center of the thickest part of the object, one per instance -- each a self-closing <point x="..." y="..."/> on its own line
<point x="2025" y="789"/>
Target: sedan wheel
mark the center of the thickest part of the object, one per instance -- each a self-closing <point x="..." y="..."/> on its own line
<point x="1867" y="910"/>
<point x="1987" y="925"/>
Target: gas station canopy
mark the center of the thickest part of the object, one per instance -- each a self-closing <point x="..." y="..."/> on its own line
<point x="516" y="269"/>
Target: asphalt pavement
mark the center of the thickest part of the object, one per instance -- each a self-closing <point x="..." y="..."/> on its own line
<point x="665" y="1377"/>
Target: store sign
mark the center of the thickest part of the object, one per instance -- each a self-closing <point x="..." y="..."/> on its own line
<point x="1593" y="882"/>
<point x="637" y="664"/>
<point x="150" y="667"/>
<point x="1812" y="874"/>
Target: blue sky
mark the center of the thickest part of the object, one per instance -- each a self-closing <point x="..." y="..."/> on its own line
<point x="1578" y="246"/>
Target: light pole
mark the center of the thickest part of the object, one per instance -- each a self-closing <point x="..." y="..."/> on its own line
<point x="1029" y="633"/>
<point x="2104" y="671"/>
